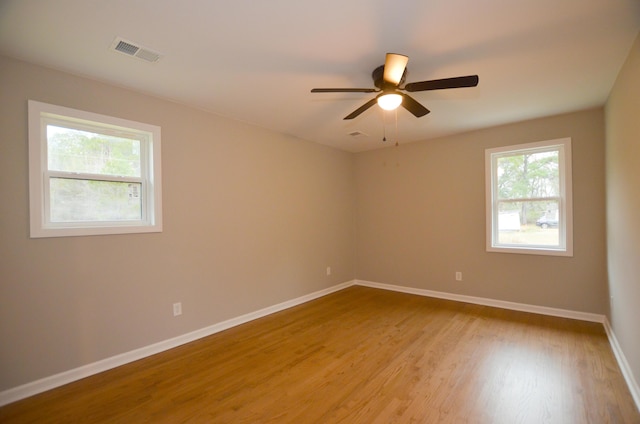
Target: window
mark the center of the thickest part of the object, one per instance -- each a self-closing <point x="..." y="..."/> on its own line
<point x="92" y="174"/>
<point x="529" y="207"/>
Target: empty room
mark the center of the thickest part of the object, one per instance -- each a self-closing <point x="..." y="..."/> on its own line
<point x="330" y="212"/>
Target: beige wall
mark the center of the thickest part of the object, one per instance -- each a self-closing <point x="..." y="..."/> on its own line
<point x="421" y="218"/>
<point x="623" y="207"/>
<point x="251" y="219"/>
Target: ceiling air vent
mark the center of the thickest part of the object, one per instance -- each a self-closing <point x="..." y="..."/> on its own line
<point x="132" y="49"/>
<point x="358" y="134"/>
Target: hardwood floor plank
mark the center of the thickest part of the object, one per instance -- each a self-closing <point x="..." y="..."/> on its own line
<point x="362" y="355"/>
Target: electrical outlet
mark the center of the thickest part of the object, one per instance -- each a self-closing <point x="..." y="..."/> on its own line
<point x="177" y="309"/>
<point x="458" y="276"/>
<point x="328" y="270"/>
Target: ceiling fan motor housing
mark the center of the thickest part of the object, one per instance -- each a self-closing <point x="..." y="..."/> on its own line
<point x="378" y="79"/>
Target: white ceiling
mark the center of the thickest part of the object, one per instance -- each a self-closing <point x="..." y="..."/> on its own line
<point x="256" y="61"/>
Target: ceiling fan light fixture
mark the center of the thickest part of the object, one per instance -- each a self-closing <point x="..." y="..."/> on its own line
<point x="389" y="101"/>
<point x="389" y="79"/>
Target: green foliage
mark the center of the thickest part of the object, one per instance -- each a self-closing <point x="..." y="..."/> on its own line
<point x="81" y="199"/>
<point x="80" y="151"/>
<point x="528" y="176"/>
<point x="523" y="177"/>
<point x="75" y="200"/>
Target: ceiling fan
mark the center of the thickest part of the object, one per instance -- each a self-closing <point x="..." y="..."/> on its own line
<point x="388" y="79"/>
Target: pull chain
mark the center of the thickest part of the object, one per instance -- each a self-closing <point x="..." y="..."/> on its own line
<point x="396" y="127"/>
<point x="384" y="126"/>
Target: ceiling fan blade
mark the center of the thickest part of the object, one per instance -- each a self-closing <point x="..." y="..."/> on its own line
<point x="394" y="66"/>
<point x="440" y="84"/>
<point x="361" y="109"/>
<point x="344" y="90"/>
<point x="413" y="106"/>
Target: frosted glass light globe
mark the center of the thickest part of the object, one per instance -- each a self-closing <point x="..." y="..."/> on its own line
<point x="389" y="101"/>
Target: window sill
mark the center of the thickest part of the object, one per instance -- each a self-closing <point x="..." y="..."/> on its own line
<point x="545" y="251"/>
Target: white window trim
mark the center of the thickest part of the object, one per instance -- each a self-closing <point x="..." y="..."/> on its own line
<point x="42" y="113"/>
<point x="565" y="205"/>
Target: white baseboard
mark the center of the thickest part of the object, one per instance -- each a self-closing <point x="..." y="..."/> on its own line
<point x="624" y="365"/>
<point x="57" y="380"/>
<point x="523" y="307"/>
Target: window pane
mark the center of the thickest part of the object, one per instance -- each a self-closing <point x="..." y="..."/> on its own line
<point x="528" y="175"/>
<point x="533" y="223"/>
<point x="89" y="200"/>
<point x="73" y="150"/>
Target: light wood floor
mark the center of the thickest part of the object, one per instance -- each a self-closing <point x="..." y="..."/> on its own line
<point x="362" y="356"/>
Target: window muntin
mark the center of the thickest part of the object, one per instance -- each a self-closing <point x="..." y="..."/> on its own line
<point x="92" y="174"/>
<point x="529" y="198"/>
